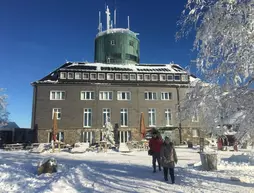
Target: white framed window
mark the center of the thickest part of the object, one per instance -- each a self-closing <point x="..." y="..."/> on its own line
<point x="124" y="136"/>
<point x="154" y="77"/>
<point x="150" y="95"/>
<point x="57" y="95"/>
<point x="163" y="77"/>
<point x="86" y="76"/>
<point x="125" y="76"/>
<point x="106" y="112"/>
<point x="184" y="77"/>
<point x="77" y="75"/>
<point x="124" y="95"/>
<point x="131" y="43"/>
<point x="195" y="117"/>
<point x="169" y="77"/>
<point x="166" y="96"/>
<point x="117" y="76"/>
<point x="112" y="42"/>
<point x="87" y="117"/>
<point x="63" y="75"/>
<point x="168" y="117"/>
<point x="93" y="76"/>
<point x="133" y="77"/>
<point x="124" y="117"/>
<point x="87" y="95"/>
<point x="147" y="77"/>
<point x="152" y="117"/>
<point x="106" y="95"/>
<point x="70" y="75"/>
<point x="177" y="77"/>
<point x="101" y="76"/>
<point x="87" y="137"/>
<point x="58" y="113"/>
<point x="140" y="77"/>
<point x="59" y="136"/>
<point x="110" y="76"/>
<point x="194" y="133"/>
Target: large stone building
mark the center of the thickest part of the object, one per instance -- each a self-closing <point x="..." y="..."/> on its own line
<point x="116" y="87"/>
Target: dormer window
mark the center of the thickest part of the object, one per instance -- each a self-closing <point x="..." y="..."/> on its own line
<point x="77" y="75"/>
<point x="147" y="77"/>
<point x="169" y="77"/>
<point x="177" y="77"/>
<point x="93" y="76"/>
<point x="63" y="75"/>
<point x="163" y="77"/>
<point x="184" y="77"/>
<point x="70" y="75"/>
<point x="132" y="76"/>
<point x="117" y="76"/>
<point x="101" y="76"/>
<point x="110" y="76"/>
<point x="154" y="77"/>
<point x="85" y="76"/>
<point x="140" y="77"/>
<point x="125" y="76"/>
<point x="112" y="42"/>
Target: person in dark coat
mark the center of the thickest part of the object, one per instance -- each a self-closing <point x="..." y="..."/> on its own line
<point x="168" y="159"/>
<point x="155" y="146"/>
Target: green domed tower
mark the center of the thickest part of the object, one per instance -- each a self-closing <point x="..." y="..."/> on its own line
<point x="116" y="45"/>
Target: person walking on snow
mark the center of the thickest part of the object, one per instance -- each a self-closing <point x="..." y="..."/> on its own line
<point x="168" y="159"/>
<point x="155" y="146"/>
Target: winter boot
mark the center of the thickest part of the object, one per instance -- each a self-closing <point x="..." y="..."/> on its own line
<point x="165" y="171"/>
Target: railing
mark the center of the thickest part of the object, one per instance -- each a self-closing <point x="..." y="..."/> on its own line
<point x="19" y="146"/>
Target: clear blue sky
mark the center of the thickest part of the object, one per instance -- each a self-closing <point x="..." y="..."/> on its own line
<point x="37" y="36"/>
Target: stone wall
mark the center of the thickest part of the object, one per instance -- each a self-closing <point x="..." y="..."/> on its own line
<point x="72" y="136"/>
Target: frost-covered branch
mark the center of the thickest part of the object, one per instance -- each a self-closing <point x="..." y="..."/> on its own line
<point x="224" y="41"/>
<point x="203" y="99"/>
<point x="224" y="38"/>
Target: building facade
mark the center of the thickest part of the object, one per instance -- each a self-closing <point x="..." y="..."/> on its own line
<point x="115" y="88"/>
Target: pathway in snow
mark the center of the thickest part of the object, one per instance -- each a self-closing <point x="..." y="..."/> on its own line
<point x="114" y="172"/>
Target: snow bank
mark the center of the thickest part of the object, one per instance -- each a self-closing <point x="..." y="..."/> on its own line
<point x="80" y="148"/>
<point x="245" y="159"/>
<point x="41" y="148"/>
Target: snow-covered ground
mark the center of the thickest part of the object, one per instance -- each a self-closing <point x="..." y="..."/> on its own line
<point x="120" y="172"/>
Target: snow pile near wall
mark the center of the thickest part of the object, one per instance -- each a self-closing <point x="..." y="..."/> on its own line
<point x="80" y="148"/>
<point x="41" y="148"/>
<point x="245" y="159"/>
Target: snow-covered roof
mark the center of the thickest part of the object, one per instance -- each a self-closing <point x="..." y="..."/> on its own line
<point x="173" y="69"/>
<point x="142" y="68"/>
<point x="117" y="30"/>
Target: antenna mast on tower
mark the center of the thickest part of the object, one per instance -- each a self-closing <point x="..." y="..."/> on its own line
<point x="108" y="18"/>
<point x="100" y="24"/>
<point x="128" y="18"/>
<point x="115" y="18"/>
<point x="115" y="15"/>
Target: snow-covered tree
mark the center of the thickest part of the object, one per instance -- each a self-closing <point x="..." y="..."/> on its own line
<point x="203" y="101"/>
<point x="3" y="111"/>
<point x="224" y="38"/>
<point x="224" y="41"/>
